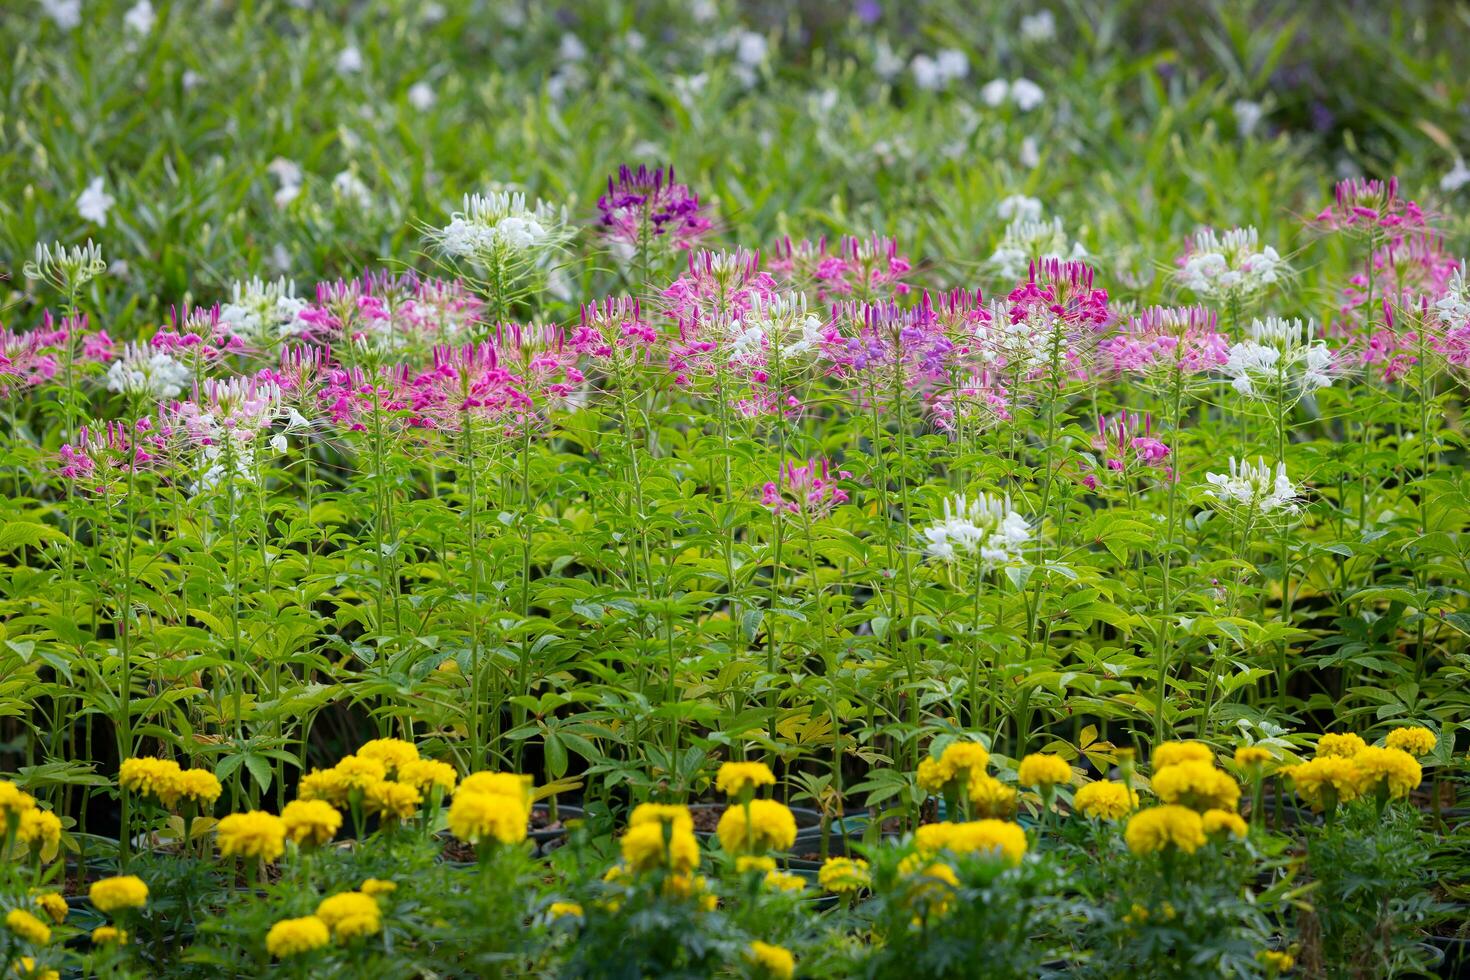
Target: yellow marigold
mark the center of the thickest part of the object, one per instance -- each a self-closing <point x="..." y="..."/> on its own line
<point x="511" y="785"/>
<point x="291" y="937"/>
<point x="734" y="778"/>
<point x="377" y="886"/>
<point x="1223" y="822"/>
<point x="53" y="905"/>
<point x="393" y="753"/>
<point x="1173" y="753"/>
<point x="769" y="827"/>
<point x="25" y="968"/>
<point x="961" y="760"/>
<point x="350" y="915"/>
<point x="109" y="936"/>
<point x="1415" y="740"/>
<point x="1105" y="800"/>
<point x="685" y="885"/>
<point x="780" y="881"/>
<point x="660" y="813"/>
<point x="255" y="835"/>
<point x="14" y="801"/>
<point x="1393" y="771"/>
<point x="997" y="838"/>
<point x="1326" y="779"/>
<point x="122" y="892"/>
<point x="474" y="817"/>
<point x="772" y="961"/>
<point x="564" y="910"/>
<point x="1042" y="770"/>
<point x="1198" y="785"/>
<point x="28" y="927"/>
<point x="41" y="830"/>
<point x="199" y="786"/>
<point x="1344" y="745"/>
<point x="324" y="785"/>
<point x="930" y="886"/>
<point x="359" y="772"/>
<point x="147" y="776"/>
<point x="843" y="876"/>
<point x="311" y="823"/>
<point x="1159" y="827"/>
<point x="751" y="862"/>
<point x="929" y="776"/>
<point x="1275" y="962"/>
<point x="392" y="801"/>
<point x="427" y="774"/>
<point x="989" y="797"/>
<point x="1252" y="755"/>
<point x="644" y="848"/>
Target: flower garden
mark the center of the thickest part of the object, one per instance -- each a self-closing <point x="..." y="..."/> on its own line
<point x="981" y="513"/>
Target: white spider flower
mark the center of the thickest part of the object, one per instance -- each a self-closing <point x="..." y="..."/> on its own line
<point x="140" y="18"/>
<point x="1026" y="94"/>
<point x="264" y="313"/>
<point x="94" y="202"/>
<point x="1280" y="356"/>
<point x="987" y="528"/>
<point x="421" y="96"/>
<point x="1039" y="28"/>
<point x="499" y="226"/>
<point x="65" y="14"/>
<point x="1254" y="488"/>
<point x="782" y="327"/>
<point x="349" y="60"/>
<point x="1019" y="207"/>
<point x="1453" y="309"/>
<point x="1027" y="239"/>
<point x="1232" y="266"/>
<point x="350" y="188"/>
<point x="66" y="268"/>
<point x="141" y="370"/>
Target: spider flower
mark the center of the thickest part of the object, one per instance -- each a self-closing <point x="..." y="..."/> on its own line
<point x="643" y="206"/>
<point x="1253" y="489"/>
<point x="809" y="490"/>
<point x="986" y="529"/>
<point x="1230" y="267"/>
<point x="1367" y="207"/>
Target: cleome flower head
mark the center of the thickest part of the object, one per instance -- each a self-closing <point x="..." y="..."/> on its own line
<point x="986" y="529"/>
<point x="500" y="227"/>
<point x="1229" y="267"/>
<point x="1253" y="490"/>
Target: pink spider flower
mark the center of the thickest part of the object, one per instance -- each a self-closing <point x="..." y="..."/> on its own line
<point x="646" y="206"/>
<point x="27" y="360"/>
<point x="1404" y="268"/>
<point x="1165" y="339"/>
<point x="909" y="346"/>
<point x="810" y="490"/>
<point x="1127" y="444"/>
<point x="612" y="326"/>
<point x="196" y="337"/>
<point x="100" y="458"/>
<point x="440" y="310"/>
<point x="352" y="397"/>
<point x="978" y="403"/>
<point x="867" y="268"/>
<point x="1365" y="206"/>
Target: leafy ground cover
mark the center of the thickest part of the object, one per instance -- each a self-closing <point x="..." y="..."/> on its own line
<point x="707" y="491"/>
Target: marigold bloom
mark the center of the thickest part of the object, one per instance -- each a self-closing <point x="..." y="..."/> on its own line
<point x="661" y="813"/>
<point x="1392" y="771"/>
<point x="1275" y="961"/>
<point x="426" y="774"/>
<point x="559" y="910"/>
<point x="1173" y="753"/>
<point x="1344" y="745"/>
<point x="734" y="778"/>
<point x="256" y="835"/>
<point x="350" y="915"/>
<point x="360" y="772"/>
<point x="198" y="786"/>
<point x="26" y="926"/>
<point x="1105" y="800"/>
<point x="780" y="881"/>
<point x="997" y="838"/>
<point x="1415" y="740"/>
<point x="1160" y="827"/>
<point x="961" y="759"/>
<point x="768" y="826"/>
<point x="844" y="876"/>
<point x="930" y="886"/>
<point x="291" y="937"/>
<point x="377" y="886"/>
<point x="1252" y="755"/>
<point x="311" y="822"/>
<point x="1223" y="822"/>
<point x="508" y="784"/>
<point x="13" y="801"/>
<point x="146" y="776"/>
<point x="754" y="862"/>
<point x="53" y="905"/>
<point x="41" y="830"/>
<point x="110" y="895"/>
<point x="324" y="785"/>
<point x="1198" y="785"/>
<point x="474" y="817"/>
<point x="644" y="848"/>
<point x="26" y="969"/>
<point x="772" y="961"/>
<point x="1326" y="780"/>
<point x="109" y="936"/>
<point x="1043" y="771"/>
<point x="392" y="801"/>
<point x="928" y="776"/>
<point x="989" y="797"/>
<point x="393" y="753"/>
